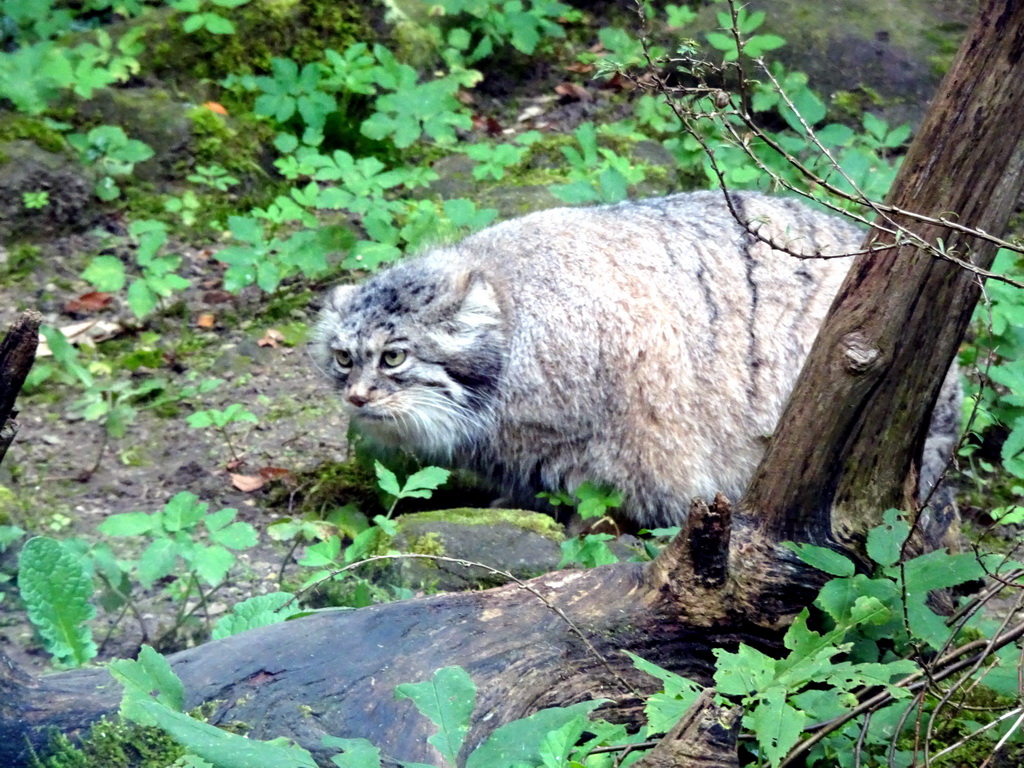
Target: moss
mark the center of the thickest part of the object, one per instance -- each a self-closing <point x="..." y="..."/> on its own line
<point x="111" y="743"/>
<point x="333" y="484"/>
<point x="264" y="29"/>
<point x="15" y="126"/>
<point x="521" y="518"/>
<point x="22" y="260"/>
<point x="236" y="144"/>
<point x="427" y="544"/>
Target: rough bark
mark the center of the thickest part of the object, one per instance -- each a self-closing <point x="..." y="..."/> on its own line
<point x="704" y="738"/>
<point x="840" y="453"/>
<point x="844" y="451"/>
<point x="17" y="353"/>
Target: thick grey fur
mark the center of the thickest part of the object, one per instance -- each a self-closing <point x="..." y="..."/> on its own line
<point x="648" y="345"/>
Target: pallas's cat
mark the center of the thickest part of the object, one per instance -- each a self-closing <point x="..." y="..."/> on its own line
<point x="649" y="346"/>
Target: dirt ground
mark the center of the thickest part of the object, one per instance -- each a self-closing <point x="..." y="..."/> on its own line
<point x="65" y="477"/>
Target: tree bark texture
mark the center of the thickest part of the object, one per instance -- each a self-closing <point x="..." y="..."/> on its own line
<point x="847" y="440"/>
<point x="17" y="353"/>
<point x="840" y="454"/>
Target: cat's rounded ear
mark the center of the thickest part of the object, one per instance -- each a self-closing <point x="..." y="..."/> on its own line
<point x="338" y="296"/>
<point x="479" y="305"/>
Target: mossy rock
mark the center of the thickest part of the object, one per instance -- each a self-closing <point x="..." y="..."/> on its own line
<point x="148" y="115"/>
<point x="525" y="544"/>
<point x="71" y="205"/>
<point x="15" y="126"/>
<point x="264" y="29"/>
<point x="898" y="50"/>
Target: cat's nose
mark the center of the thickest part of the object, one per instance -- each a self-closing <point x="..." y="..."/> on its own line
<point x="358" y="397"/>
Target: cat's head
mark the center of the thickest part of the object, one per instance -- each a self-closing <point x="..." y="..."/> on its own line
<point x="416" y="353"/>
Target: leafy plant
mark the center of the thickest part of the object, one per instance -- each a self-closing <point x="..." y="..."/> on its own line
<point x="327" y="556"/>
<point x="56" y="589"/>
<point x="211" y="21"/>
<point x="256" y="611"/>
<point x="597" y="174"/>
<point x="492" y="24"/>
<point x="111" y="401"/>
<point x="494" y="159"/>
<point x="409" y="108"/>
<point x="108" y="149"/>
<point x="35" y="200"/>
<point x="158" y="277"/>
<point x="220" y="419"/>
<point x="154" y="696"/>
<point x="750" y="44"/>
<point x="176" y="535"/>
<point x="867" y="618"/>
<point x="591" y="501"/>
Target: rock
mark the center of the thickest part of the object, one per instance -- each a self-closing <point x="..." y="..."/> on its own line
<point x="71" y="205"/>
<point x="151" y="116"/>
<point x="895" y="53"/>
<point x="525" y="544"/>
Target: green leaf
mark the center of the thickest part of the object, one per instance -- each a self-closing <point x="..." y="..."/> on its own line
<point x="218" y="25"/>
<point x="238" y="535"/>
<point x="387" y="480"/>
<point x="447" y="701"/>
<point x="246" y="229"/>
<point x="758" y="45"/>
<point x="776" y="724"/>
<point x="141" y="299"/>
<point x="885" y="542"/>
<point x="258" y="611"/>
<point x="56" y="588"/>
<point x="129" y="524"/>
<point x="149" y="678"/>
<point x="520" y="742"/>
<point x="200" y="420"/>
<point x="212" y="563"/>
<point x="183" y="511"/>
<point x="664" y="709"/>
<point x="357" y="753"/>
<point x="743" y="672"/>
<point x="146" y="701"/>
<point x="422" y="484"/>
<point x="823" y="559"/>
<point x="157" y="561"/>
<point x="105" y="273"/>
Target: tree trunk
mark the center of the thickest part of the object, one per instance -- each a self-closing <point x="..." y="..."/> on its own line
<point x="844" y="451"/>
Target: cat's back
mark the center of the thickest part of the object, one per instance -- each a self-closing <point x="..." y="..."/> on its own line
<point x="675" y="285"/>
<point x="661" y="333"/>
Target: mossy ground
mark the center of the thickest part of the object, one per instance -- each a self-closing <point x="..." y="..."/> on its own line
<point x="111" y="743"/>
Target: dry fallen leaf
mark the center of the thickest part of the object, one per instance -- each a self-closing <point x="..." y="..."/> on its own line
<point x="206" y="320"/>
<point x="86" y="333"/>
<point x="271" y="338"/>
<point x="276" y="473"/>
<point x="93" y="301"/>
<point x="247" y="483"/>
<point x="573" y="92"/>
<point x="486" y="124"/>
<point x="217" y="296"/>
<point x="580" y="68"/>
<point x="217" y="107"/>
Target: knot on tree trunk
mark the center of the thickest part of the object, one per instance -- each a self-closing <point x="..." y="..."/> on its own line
<point x="859" y="352"/>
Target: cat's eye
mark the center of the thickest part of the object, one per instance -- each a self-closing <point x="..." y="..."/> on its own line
<point x="392" y="358"/>
<point x="343" y="358"/>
